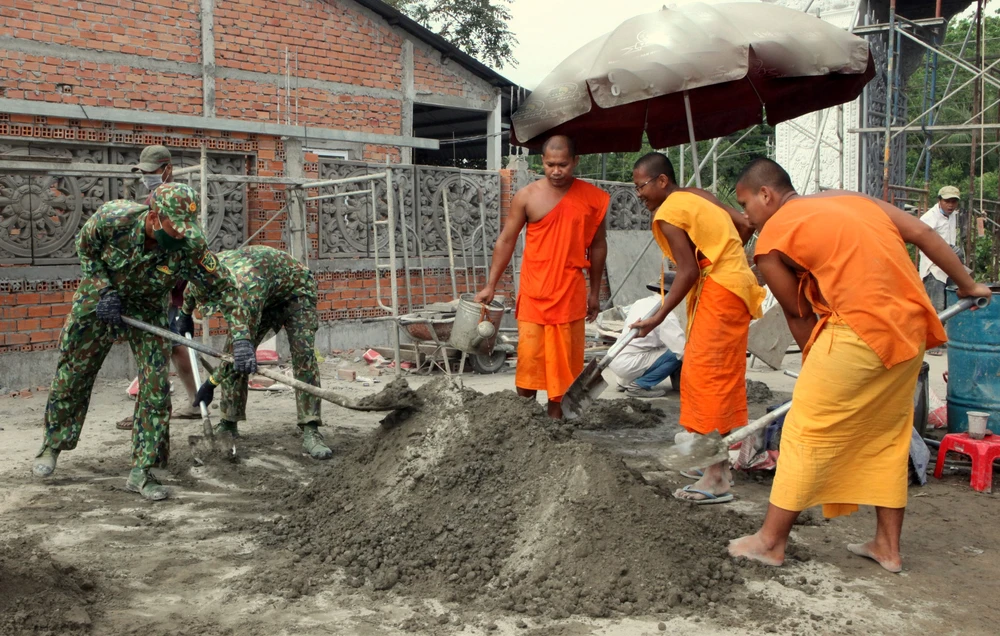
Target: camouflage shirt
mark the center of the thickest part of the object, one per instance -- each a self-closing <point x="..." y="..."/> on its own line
<point x="113" y="253"/>
<point x="264" y="277"/>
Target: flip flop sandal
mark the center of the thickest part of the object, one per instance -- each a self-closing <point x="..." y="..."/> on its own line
<point x="698" y="474"/>
<point x="709" y="497"/>
<point x="125" y="424"/>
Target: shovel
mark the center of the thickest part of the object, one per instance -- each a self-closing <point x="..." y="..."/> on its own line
<point x="203" y="445"/>
<point x="691" y="450"/>
<point x="323" y="394"/>
<point x="589" y="385"/>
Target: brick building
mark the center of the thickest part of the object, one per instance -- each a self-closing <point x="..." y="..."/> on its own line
<point x="269" y="89"/>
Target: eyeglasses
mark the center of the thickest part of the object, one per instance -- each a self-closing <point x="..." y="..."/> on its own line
<point x="638" y="188"/>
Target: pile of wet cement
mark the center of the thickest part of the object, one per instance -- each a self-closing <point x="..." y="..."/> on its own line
<point x="396" y="394"/>
<point x="483" y="499"/>
<point x="622" y="413"/>
<point x="758" y="392"/>
<point x="38" y="595"/>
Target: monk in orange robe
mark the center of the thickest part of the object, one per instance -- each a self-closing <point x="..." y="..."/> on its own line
<point x="705" y="240"/>
<point x="565" y="236"/>
<point x="837" y="263"/>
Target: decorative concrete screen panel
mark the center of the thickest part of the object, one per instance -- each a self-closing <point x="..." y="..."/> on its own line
<point x="41" y="214"/>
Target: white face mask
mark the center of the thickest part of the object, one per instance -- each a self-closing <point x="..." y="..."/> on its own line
<point x="151" y="181"/>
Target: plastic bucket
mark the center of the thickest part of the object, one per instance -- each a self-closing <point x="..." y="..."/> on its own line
<point x="977" y="424"/>
<point x="476" y="325"/>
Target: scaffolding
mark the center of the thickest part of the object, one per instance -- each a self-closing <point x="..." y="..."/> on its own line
<point x="885" y="143"/>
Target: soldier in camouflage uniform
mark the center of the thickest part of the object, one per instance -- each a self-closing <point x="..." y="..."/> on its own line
<point x="276" y="291"/>
<point x="131" y="256"/>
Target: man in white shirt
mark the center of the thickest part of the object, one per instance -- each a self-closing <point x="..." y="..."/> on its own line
<point x="646" y="362"/>
<point x="943" y="219"/>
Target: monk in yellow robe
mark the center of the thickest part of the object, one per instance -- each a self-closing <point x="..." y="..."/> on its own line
<point x="565" y="236"/>
<point x="705" y="240"/>
<point x="837" y="263"/>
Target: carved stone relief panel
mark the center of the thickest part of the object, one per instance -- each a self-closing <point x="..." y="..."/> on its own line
<point x="345" y="223"/>
<point x="41" y="214"/>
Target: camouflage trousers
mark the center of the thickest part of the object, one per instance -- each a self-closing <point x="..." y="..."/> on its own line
<point x="300" y="322"/>
<point x="84" y="343"/>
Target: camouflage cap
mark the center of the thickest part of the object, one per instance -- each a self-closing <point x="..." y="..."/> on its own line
<point x="179" y="203"/>
<point x="152" y="159"/>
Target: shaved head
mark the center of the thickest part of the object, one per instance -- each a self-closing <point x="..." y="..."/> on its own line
<point x="559" y="142"/>
<point x="654" y="164"/>
<point x="762" y="172"/>
<point x="762" y="188"/>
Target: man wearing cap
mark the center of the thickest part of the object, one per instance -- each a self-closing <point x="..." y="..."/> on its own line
<point x="646" y="362"/>
<point x="156" y="167"/>
<point x="131" y="255"/>
<point x="943" y="220"/>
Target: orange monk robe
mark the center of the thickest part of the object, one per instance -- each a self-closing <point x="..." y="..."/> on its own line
<point x="846" y="438"/>
<point x="720" y="308"/>
<point x="552" y="298"/>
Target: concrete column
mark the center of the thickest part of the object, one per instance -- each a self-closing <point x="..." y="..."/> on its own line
<point x="208" y="57"/>
<point x="409" y="95"/>
<point x="493" y="136"/>
<point x="298" y="234"/>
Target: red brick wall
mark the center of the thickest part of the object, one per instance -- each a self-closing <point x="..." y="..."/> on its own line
<point x="163" y="29"/>
<point x="430" y="75"/>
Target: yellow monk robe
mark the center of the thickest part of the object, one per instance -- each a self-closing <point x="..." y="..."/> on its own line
<point x="552" y="298"/>
<point x="846" y="438"/>
<point x="719" y="307"/>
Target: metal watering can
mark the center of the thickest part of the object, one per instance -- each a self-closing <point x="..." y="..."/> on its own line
<point x="476" y="325"/>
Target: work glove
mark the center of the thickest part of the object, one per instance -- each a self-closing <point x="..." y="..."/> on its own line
<point x="206" y="392"/>
<point x="244" y="357"/>
<point x="109" y="308"/>
<point x="182" y="324"/>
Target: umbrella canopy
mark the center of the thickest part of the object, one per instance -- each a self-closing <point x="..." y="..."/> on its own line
<point x="737" y="62"/>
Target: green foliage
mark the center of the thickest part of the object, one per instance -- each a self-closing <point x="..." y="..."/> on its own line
<point x="478" y="27"/>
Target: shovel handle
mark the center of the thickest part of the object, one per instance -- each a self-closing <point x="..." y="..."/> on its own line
<point x="624" y="342"/>
<point x="962" y="305"/>
<point x="759" y="424"/>
<point x="197" y="374"/>
<point x="323" y="394"/>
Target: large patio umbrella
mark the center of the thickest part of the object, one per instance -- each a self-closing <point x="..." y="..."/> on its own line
<point x="694" y="72"/>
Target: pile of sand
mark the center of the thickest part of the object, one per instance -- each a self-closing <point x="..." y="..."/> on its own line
<point x="482" y="499"/>
<point x="38" y="595"/>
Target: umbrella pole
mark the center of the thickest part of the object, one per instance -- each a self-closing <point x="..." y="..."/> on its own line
<point x="694" y="144"/>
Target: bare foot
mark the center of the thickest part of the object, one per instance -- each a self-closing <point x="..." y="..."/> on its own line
<point x="893" y="564"/>
<point x="752" y="547"/>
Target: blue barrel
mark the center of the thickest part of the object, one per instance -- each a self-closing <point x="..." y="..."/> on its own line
<point x="974" y="364"/>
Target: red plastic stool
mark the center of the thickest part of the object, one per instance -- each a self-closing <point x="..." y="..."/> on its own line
<point x="982" y="452"/>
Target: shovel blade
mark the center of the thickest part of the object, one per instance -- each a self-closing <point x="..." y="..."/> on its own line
<point x="587" y="387"/>
<point x="697" y="452"/>
<point x="203" y="446"/>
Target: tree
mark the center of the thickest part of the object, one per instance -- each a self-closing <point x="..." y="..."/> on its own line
<point x="478" y="27"/>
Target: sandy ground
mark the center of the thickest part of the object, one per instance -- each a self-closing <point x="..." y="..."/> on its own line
<point x="79" y="554"/>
